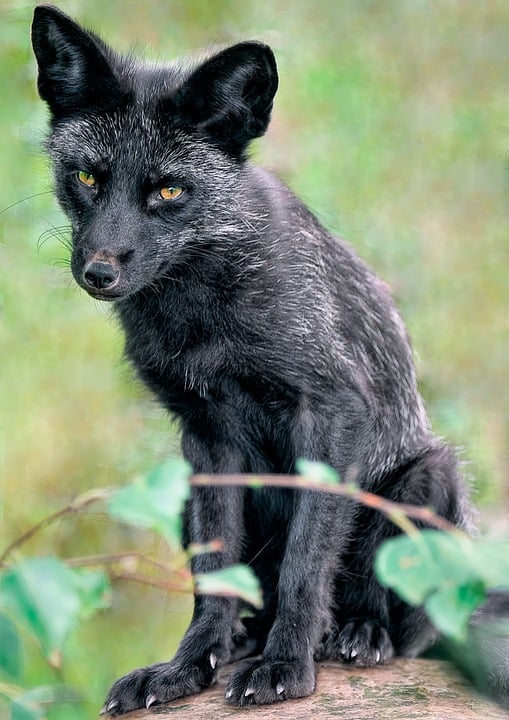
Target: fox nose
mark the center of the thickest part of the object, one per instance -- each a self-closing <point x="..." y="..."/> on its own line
<point x="100" y="275"/>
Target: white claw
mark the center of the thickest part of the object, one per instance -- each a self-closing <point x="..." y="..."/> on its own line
<point x="354" y="653"/>
<point x="109" y="707"/>
<point x="280" y="689"/>
<point x="249" y="691"/>
<point x="151" y="699"/>
<point x="377" y="656"/>
<point x="229" y="693"/>
<point x="212" y="661"/>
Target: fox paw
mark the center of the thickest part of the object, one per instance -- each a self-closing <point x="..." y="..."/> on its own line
<point x="263" y="682"/>
<point x="158" y="684"/>
<point x="364" y="643"/>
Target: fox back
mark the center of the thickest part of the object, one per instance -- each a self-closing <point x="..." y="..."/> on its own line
<point x="264" y="334"/>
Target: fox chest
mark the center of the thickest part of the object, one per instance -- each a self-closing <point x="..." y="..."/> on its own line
<point x="182" y="345"/>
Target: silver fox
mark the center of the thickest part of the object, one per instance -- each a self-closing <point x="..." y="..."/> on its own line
<point x="266" y="336"/>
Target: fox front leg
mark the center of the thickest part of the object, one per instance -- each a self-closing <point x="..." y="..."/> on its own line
<point x="286" y="669"/>
<point x="213" y="512"/>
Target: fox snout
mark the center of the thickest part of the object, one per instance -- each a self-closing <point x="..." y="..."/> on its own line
<point x="101" y="276"/>
<point x="115" y="274"/>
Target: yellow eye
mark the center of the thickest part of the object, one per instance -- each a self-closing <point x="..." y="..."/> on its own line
<point x="170" y="193"/>
<point x="86" y="178"/>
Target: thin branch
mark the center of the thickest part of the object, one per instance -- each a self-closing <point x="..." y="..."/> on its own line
<point x="123" y="558"/>
<point x="31" y="531"/>
<point x="396" y="512"/>
<point x="76" y="505"/>
<point x="168" y="585"/>
<point x="181" y="578"/>
<point x="9" y="690"/>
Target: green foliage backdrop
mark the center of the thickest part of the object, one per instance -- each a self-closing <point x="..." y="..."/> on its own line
<point x="392" y="121"/>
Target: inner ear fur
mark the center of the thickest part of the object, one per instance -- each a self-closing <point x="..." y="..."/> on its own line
<point x="75" y="71"/>
<point x="230" y="96"/>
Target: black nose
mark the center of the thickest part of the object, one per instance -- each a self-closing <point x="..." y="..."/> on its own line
<point x="100" y="275"/>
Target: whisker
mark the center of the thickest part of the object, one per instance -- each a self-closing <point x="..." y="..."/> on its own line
<point x="61" y="233"/>
<point x="66" y="276"/>
<point x="25" y="199"/>
<point x="61" y="262"/>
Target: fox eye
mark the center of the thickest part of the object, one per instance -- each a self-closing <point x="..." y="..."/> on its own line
<point x="86" y="178"/>
<point x="172" y="192"/>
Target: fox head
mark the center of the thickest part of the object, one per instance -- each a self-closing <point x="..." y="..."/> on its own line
<point x="148" y="159"/>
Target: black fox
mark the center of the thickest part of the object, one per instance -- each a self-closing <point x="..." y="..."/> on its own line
<point x="265" y="335"/>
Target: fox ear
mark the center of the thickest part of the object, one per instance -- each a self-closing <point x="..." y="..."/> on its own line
<point x="74" y="71"/>
<point x="230" y="96"/>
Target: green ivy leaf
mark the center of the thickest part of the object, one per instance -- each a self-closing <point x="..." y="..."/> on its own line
<point x="490" y="562"/>
<point x="449" y="609"/>
<point x="94" y="591"/>
<point x="10" y="649"/>
<point x="447" y="572"/>
<point x="416" y="565"/>
<point x="26" y="711"/>
<point x="49" y="598"/>
<point x="235" y="581"/>
<point x="156" y="500"/>
<point x="31" y="704"/>
<point x="317" y="472"/>
<point x="405" y="564"/>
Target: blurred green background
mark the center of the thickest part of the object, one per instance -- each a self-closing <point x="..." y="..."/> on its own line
<point x="392" y="122"/>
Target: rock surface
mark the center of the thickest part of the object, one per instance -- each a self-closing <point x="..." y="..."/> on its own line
<point x="404" y="690"/>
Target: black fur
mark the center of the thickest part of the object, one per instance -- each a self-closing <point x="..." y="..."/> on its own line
<point x="265" y="335"/>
